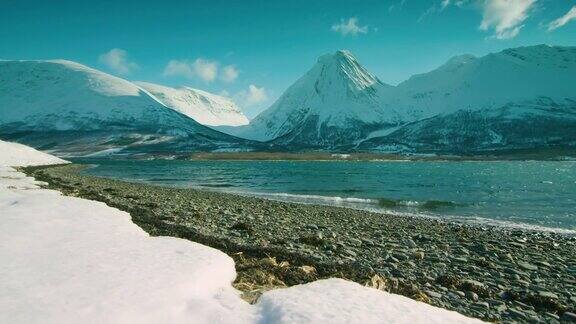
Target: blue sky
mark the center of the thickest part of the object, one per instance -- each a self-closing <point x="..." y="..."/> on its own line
<point x="253" y="50"/>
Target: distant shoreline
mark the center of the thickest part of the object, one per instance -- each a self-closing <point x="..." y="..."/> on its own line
<point x="481" y="271"/>
<point x="551" y="155"/>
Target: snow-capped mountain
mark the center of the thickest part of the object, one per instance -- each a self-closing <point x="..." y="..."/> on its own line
<point x="76" y="103"/>
<point x="518" y="98"/>
<point x="492" y="81"/>
<point x="336" y="102"/>
<point x="204" y="107"/>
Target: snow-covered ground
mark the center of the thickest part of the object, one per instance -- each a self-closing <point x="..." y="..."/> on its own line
<point x="16" y="155"/>
<point x="70" y="260"/>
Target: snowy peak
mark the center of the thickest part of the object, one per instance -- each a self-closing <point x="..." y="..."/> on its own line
<point x="337" y="95"/>
<point x="33" y="91"/>
<point x="204" y="107"/>
<point x="341" y="67"/>
<point x="459" y="60"/>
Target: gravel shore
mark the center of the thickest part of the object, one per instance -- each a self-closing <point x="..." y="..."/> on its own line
<point x="492" y="273"/>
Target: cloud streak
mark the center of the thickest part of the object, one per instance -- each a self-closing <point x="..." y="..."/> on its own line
<point x="229" y="73"/>
<point x="203" y="69"/>
<point x="253" y="96"/>
<point x="349" y="27"/>
<point x="505" y="17"/>
<point x="117" y="60"/>
<point x="568" y="17"/>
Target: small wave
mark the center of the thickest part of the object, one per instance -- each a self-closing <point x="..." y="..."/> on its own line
<point x="425" y="205"/>
<point x="439" y="204"/>
<point x="217" y="185"/>
<point x="315" y="198"/>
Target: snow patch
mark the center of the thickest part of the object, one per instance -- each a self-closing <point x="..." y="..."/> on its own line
<point x="16" y="155"/>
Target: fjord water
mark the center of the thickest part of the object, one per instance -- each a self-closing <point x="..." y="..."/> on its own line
<point x="525" y="193"/>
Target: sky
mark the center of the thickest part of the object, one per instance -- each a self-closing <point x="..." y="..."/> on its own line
<point x="251" y="51"/>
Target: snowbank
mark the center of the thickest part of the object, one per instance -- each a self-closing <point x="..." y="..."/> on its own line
<point x="14" y="154"/>
<point x="70" y="260"/>
<point x="341" y="301"/>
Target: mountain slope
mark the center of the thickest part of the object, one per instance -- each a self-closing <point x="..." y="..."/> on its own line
<point x="518" y="98"/>
<point x="515" y="99"/>
<point x="41" y="100"/>
<point x="205" y="108"/>
<point x="492" y="81"/>
<point x="334" y="103"/>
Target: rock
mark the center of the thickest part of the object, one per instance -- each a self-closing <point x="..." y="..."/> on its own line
<point x="483" y="305"/>
<point x="547" y="294"/>
<point x="552" y="315"/>
<point x="472" y="296"/>
<point x="433" y="294"/>
<point x="516" y="313"/>
<point x="527" y="266"/>
<point x="367" y="242"/>
<point x="350" y="252"/>
<point x="355" y="241"/>
<point x="419" y="255"/>
<point x="501" y="308"/>
<point x="568" y="317"/>
<point x="410" y="243"/>
<point x="521" y="304"/>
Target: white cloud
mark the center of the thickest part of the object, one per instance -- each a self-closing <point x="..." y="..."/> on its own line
<point x="349" y="27"/>
<point x="505" y="17"/>
<point x="206" y="70"/>
<point x="229" y="73"/>
<point x="179" y="68"/>
<point x="569" y="16"/>
<point x="252" y="96"/>
<point x="117" y="60"/>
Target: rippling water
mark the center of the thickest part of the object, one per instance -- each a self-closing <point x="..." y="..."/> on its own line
<point x="529" y="193"/>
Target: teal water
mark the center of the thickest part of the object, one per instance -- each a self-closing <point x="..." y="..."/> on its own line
<point x="526" y="193"/>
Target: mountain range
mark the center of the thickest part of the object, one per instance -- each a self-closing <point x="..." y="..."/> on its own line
<point x="69" y="108"/>
<point x="516" y="99"/>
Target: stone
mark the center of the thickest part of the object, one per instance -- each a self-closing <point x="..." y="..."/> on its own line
<point x="552" y="315"/>
<point x="433" y="294"/>
<point x="568" y="317"/>
<point x="527" y="266"/>
<point x="355" y="241"/>
<point x="419" y="255"/>
<point x="516" y="313"/>
<point x="410" y="243"/>
<point x="350" y="252"/>
<point x="472" y="295"/>
<point x="547" y="294"/>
